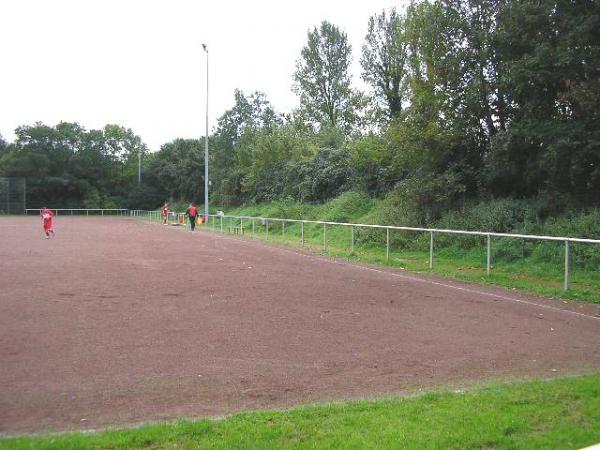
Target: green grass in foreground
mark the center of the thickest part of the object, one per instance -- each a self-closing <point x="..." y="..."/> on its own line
<point x="556" y="414"/>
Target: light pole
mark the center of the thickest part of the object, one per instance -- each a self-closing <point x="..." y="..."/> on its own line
<point x="206" y="145"/>
<point x="139" y="166"/>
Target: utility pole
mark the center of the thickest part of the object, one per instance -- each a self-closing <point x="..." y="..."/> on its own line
<point x="206" y="145"/>
<point x="139" y="167"/>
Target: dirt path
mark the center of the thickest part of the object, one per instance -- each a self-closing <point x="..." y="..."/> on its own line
<point x="118" y="321"/>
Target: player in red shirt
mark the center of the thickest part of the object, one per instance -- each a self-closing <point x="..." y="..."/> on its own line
<point x="47" y="215"/>
<point x="192" y="213"/>
<point x="165" y="213"/>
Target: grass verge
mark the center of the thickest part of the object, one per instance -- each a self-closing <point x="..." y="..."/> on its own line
<point x="561" y="414"/>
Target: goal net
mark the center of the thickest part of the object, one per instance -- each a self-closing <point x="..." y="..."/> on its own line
<point x="12" y="195"/>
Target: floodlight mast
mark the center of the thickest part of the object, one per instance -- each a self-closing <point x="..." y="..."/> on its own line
<point x="139" y="166"/>
<point x="206" y="145"/>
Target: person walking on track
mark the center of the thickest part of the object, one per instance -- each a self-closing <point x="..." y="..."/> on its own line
<point x="47" y="215"/>
<point x="165" y="213"/>
<point x="192" y="213"/>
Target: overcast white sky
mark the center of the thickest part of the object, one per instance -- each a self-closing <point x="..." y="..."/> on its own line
<point x="140" y="63"/>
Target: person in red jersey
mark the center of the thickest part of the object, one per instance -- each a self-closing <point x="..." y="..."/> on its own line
<point x="165" y="212"/>
<point x="47" y="215"/>
<point x="192" y="213"/>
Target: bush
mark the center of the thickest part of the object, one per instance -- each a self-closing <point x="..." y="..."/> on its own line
<point x="574" y="224"/>
<point x="145" y="197"/>
<point x="525" y="217"/>
<point x="345" y="208"/>
<point x="497" y="216"/>
<point x="397" y="208"/>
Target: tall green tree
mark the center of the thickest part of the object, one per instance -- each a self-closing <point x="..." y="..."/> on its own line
<point x="384" y="60"/>
<point x="270" y="154"/>
<point x="233" y="141"/>
<point x="322" y="78"/>
<point x="3" y="145"/>
<point x="178" y="169"/>
<point x="551" y="69"/>
<point x="471" y="30"/>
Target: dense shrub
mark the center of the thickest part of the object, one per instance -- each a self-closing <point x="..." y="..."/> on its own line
<point x="346" y="208"/>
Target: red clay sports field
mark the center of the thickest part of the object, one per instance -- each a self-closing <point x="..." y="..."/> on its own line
<point x="119" y="320"/>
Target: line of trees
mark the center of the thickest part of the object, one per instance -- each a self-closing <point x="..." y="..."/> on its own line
<point x="468" y="100"/>
<point x="68" y="166"/>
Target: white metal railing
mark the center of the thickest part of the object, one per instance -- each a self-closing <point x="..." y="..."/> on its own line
<point x="156" y="215"/>
<point x="83" y="211"/>
<point x="172" y="218"/>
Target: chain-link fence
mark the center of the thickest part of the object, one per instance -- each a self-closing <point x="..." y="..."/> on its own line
<point x="13" y="192"/>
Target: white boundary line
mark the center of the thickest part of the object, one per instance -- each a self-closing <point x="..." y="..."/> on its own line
<point x="408" y="277"/>
<point x="487" y="294"/>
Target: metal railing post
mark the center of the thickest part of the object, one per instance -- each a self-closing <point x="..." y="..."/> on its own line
<point x="267" y="231"/>
<point x="489" y="254"/>
<point x="325" y="236"/>
<point x="352" y="239"/>
<point x="431" y="250"/>
<point x="567" y="266"/>
<point x="302" y="232"/>
<point x="242" y="226"/>
<point x="252" y="228"/>
<point x="387" y="244"/>
<point x="283" y="231"/>
<point x="221" y="224"/>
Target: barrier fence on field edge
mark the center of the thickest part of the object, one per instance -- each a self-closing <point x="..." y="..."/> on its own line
<point x="264" y="221"/>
